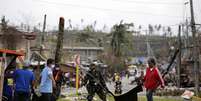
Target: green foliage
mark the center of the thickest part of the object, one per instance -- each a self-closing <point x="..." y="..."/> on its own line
<point x="84" y="36"/>
<point x="89" y="36"/>
<point x="121" y="39"/>
<point x="120" y="45"/>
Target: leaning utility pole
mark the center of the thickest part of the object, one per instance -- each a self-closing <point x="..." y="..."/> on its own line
<point x="41" y="46"/>
<point x="42" y="38"/>
<point x="195" y="50"/>
<point x="60" y="37"/>
<point x="43" y="33"/>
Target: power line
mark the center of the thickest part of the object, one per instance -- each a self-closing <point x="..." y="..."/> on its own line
<point x="147" y="2"/>
<point x="105" y="9"/>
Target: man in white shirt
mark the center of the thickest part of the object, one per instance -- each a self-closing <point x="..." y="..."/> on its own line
<point x="47" y="81"/>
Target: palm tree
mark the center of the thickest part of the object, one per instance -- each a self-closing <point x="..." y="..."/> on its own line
<point x="120" y="46"/>
<point x="70" y="25"/>
<point x="158" y="28"/>
<point x="140" y="28"/>
<point x="151" y="29"/>
<point x="169" y="30"/>
<point x="60" y="38"/>
<point x="120" y="38"/>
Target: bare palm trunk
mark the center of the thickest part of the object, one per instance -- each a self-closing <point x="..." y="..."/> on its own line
<point x="60" y="38"/>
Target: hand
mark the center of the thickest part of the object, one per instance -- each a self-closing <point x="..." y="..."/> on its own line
<point x="162" y="86"/>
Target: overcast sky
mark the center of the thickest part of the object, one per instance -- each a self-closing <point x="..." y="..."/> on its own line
<point x="105" y="12"/>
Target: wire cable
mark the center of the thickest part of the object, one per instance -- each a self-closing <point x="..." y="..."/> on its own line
<point x="148" y="2"/>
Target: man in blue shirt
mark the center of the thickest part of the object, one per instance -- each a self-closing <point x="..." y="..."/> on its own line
<point x="47" y="81"/>
<point x="24" y="80"/>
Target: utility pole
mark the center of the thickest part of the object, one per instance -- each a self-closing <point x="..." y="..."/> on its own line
<point x="187" y="35"/>
<point x="41" y="43"/>
<point x="42" y="37"/>
<point x="186" y="32"/>
<point x="195" y="49"/>
<point x="28" y="45"/>
<point x="179" y="58"/>
<point x="42" y="40"/>
<point x="60" y="38"/>
<point x="44" y="26"/>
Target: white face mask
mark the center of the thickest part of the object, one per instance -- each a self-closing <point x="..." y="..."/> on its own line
<point x="52" y="66"/>
<point x="57" y="68"/>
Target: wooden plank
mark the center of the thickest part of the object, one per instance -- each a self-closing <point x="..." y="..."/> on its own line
<point x="10" y="52"/>
<point x="2" y="66"/>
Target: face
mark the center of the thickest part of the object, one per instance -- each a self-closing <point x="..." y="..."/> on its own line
<point x="150" y="64"/>
<point x="51" y="65"/>
<point x="92" y="67"/>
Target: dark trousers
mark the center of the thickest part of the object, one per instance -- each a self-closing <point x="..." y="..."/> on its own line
<point x="46" y="97"/>
<point x="56" y="92"/>
<point x="22" y="96"/>
<point x="149" y="94"/>
<point x="95" y="89"/>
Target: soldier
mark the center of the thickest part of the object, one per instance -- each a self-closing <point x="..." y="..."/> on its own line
<point x="95" y="83"/>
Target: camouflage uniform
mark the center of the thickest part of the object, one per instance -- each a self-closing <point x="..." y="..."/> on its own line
<point x="95" y="84"/>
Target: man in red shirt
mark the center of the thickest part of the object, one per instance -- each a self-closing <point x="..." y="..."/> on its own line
<point x="152" y="79"/>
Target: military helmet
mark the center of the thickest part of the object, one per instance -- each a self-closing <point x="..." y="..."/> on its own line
<point x="92" y="66"/>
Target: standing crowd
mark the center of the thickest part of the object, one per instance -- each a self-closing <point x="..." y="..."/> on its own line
<point x="24" y="84"/>
<point x="50" y="83"/>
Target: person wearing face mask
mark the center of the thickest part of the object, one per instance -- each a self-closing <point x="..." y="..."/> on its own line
<point x="47" y="81"/>
<point x="58" y="77"/>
